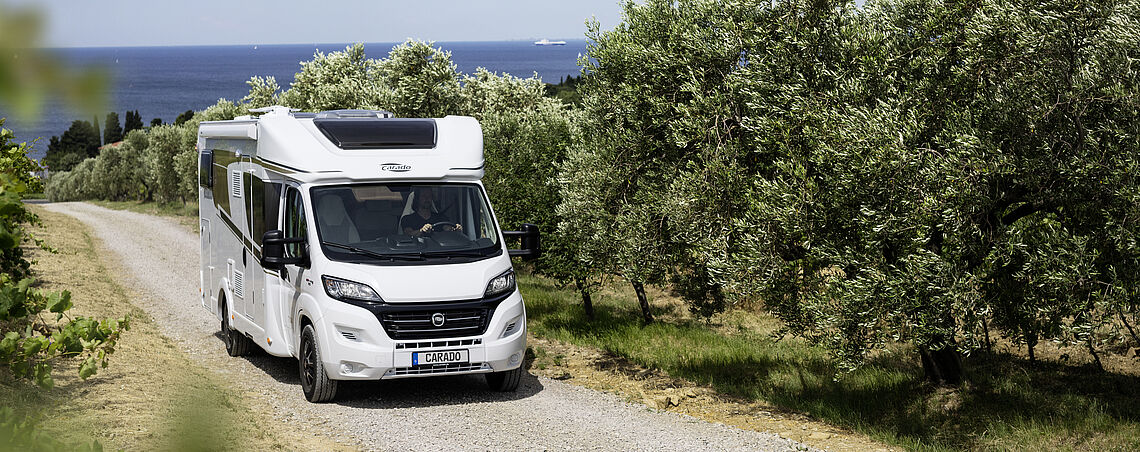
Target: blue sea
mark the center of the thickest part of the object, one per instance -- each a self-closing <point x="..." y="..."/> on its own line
<point x="163" y="82"/>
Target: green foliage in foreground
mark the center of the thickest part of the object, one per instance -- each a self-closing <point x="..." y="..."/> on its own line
<point x="1008" y="404"/>
<point x="36" y="329"/>
<point x="14" y="159"/>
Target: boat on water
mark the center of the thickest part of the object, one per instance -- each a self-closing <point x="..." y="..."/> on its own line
<point x="547" y="42"/>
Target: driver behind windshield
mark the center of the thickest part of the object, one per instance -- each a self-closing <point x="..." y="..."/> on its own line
<point x="422" y="220"/>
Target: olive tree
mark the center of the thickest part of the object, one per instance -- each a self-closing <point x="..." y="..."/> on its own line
<point x="117" y="172"/>
<point x="526" y="135"/>
<point x="650" y="184"/>
<point x="163" y="146"/>
<point x="336" y="80"/>
<point x="938" y="167"/>
<point x="418" y="80"/>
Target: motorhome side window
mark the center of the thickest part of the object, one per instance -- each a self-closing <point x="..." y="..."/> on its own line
<point x="220" y="180"/>
<point x="404" y="224"/>
<point x="206" y="169"/>
<point x="295" y="225"/>
<point x="266" y="197"/>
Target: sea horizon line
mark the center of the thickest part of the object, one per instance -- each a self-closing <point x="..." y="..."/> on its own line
<point x="292" y="44"/>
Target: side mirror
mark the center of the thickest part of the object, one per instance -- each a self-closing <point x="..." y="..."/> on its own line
<point x="531" y="247"/>
<point x="273" y="250"/>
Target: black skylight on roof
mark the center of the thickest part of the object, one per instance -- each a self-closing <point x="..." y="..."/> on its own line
<point x="376" y="133"/>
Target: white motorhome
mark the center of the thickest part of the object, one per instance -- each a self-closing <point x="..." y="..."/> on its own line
<point x="362" y="245"/>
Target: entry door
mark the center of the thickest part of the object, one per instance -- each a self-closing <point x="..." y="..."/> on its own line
<point x="263" y="200"/>
<point x="239" y="215"/>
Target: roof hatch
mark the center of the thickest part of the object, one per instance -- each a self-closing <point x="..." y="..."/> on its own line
<point x="378" y="133"/>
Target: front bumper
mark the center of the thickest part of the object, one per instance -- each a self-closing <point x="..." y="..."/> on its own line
<point x="355" y="345"/>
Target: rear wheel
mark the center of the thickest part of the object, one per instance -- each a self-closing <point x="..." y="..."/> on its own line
<point x="315" y="381"/>
<point x="506" y="381"/>
<point x="236" y="343"/>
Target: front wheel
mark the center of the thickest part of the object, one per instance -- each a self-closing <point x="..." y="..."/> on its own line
<point x="506" y="381"/>
<point x="236" y="343"/>
<point x="315" y="381"/>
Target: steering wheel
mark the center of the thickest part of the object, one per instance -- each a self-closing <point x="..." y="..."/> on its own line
<point x="442" y="224"/>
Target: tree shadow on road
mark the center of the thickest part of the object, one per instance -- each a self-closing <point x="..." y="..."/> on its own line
<point x="398" y="393"/>
<point x="1007" y="402"/>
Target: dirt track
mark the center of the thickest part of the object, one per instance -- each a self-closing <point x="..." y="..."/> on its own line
<point x="158" y="258"/>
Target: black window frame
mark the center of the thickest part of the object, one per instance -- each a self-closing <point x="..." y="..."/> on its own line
<point x="265" y="202"/>
<point x="293" y="193"/>
<point x="206" y="169"/>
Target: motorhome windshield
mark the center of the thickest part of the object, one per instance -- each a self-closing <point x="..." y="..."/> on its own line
<point x="402" y="224"/>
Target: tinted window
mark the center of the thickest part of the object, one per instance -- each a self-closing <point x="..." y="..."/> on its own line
<point x="295" y="225"/>
<point x="266" y="198"/>
<point x="221" y="183"/>
<point x="409" y="222"/>
<point x="376" y="133"/>
<point x="206" y="169"/>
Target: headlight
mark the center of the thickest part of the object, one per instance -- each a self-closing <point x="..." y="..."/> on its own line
<point x="342" y="290"/>
<point x="501" y="284"/>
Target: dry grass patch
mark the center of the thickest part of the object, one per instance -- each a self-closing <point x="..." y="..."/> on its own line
<point x="152" y="397"/>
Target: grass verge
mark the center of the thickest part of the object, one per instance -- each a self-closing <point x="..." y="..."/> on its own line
<point x="163" y="209"/>
<point x="1007" y="404"/>
<point x="185" y="214"/>
<point x="152" y="397"/>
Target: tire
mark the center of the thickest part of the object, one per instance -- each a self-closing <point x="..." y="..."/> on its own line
<point x="315" y="381"/>
<point x="506" y="381"/>
<point x="236" y="343"/>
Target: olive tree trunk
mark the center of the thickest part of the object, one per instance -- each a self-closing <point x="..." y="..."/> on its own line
<point x="942" y="366"/>
<point x="643" y="300"/>
<point x="587" y="300"/>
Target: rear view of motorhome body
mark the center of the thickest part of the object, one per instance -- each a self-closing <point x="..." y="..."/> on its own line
<point x="362" y="245"/>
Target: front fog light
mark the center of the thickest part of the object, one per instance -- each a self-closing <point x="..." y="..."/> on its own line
<point x="348" y="367"/>
<point x="514" y="359"/>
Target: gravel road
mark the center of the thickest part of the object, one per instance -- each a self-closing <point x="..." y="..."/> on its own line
<point x="158" y="260"/>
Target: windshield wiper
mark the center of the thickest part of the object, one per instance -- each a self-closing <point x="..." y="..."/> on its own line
<point x="456" y="253"/>
<point x="401" y="256"/>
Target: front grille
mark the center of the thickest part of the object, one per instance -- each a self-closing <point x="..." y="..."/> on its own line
<point x="434" y="344"/>
<point x="413" y="321"/>
<point x="419" y="324"/>
<point x="437" y="369"/>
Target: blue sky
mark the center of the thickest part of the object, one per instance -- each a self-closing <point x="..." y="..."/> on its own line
<point x="85" y="23"/>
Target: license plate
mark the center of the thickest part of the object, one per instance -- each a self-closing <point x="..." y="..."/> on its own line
<point x="444" y="357"/>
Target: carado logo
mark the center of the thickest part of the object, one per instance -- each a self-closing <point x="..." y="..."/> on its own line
<point x="395" y="167"/>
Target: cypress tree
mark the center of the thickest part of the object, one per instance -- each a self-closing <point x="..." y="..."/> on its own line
<point x="95" y="127"/>
<point x="112" y="131"/>
<point x="133" y="121"/>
